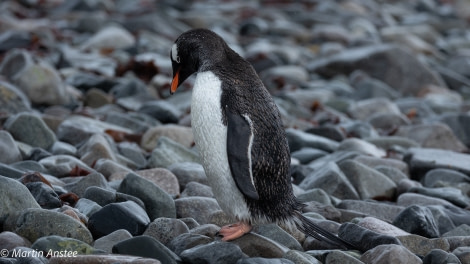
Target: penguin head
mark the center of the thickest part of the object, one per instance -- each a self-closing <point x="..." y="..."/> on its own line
<point x="192" y="51"/>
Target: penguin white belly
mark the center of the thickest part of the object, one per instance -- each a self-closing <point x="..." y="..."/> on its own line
<point x="210" y="135"/>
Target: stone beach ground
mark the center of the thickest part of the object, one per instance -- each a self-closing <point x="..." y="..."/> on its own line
<point x="98" y="163"/>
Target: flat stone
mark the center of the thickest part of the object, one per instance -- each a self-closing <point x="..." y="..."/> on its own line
<point x="375" y="60"/>
<point x="10" y="240"/>
<point x="56" y="243"/>
<point x="213" y="253"/>
<point x="438" y="136"/>
<point x="157" y="202"/>
<point x="298" y="139"/>
<point x="364" y="239"/>
<point x="188" y="172"/>
<point x="440" y="256"/>
<point x="421" y="245"/>
<point x="93" y="179"/>
<point x="382" y="211"/>
<point x="177" y="133"/>
<point x="332" y="180"/>
<point x="417" y="220"/>
<point x="169" y="152"/>
<point x="13" y="100"/>
<point x="187" y="241"/>
<point x="381" y="227"/>
<point x="200" y="208"/>
<point x="421" y="160"/>
<point x="389" y="254"/>
<point x="126" y="215"/>
<point x="62" y="165"/>
<point x="166" y="229"/>
<point x="103" y="259"/>
<point x="148" y="247"/>
<point x="107" y="242"/>
<point x="30" y="129"/>
<point x="8" y="148"/>
<point x="14" y="197"/>
<point x="29" y="223"/>
<point x="368" y="182"/>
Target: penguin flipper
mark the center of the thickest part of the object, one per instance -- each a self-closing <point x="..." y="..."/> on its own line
<point x="239" y="142"/>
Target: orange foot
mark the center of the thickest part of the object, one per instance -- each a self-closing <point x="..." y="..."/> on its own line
<point x="233" y="231"/>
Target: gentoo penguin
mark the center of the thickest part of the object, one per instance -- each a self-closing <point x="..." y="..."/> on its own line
<point x="238" y="130"/>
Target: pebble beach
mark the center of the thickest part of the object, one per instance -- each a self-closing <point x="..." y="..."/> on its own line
<point x="98" y="163"/>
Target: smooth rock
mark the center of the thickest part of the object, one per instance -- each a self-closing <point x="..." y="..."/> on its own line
<point x="29" y="223"/>
<point x="36" y="78"/>
<point x="375" y="60"/>
<point x="58" y="244"/>
<point x="463" y="253"/>
<point x="103" y="259"/>
<point x="87" y="207"/>
<point x="337" y="256"/>
<point x="126" y="215"/>
<point x="10" y="240"/>
<point x="438" y="136"/>
<point x="264" y="261"/>
<point x="103" y="196"/>
<point x="46" y="197"/>
<point x="381" y="227"/>
<point x="369" y="183"/>
<point x="200" y="208"/>
<point x="421" y="160"/>
<point x="148" y="247"/>
<point x="450" y="194"/>
<point x="332" y="180"/>
<point x="9" y="151"/>
<point x="76" y="129"/>
<point x="215" y="252"/>
<point x="110" y="37"/>
<point x="14" y="100"/>
<point x="417" y="220"/>
<point x="382" y="211"/>
<point x="364" y="109"/>
<point x="30" y="129"/>
<point x="197" y="189"/>
<point x="421" y="246"/>
<point x="388" y="254"/>
<point x="163" y="178"/>
<point x="96" y="147"/>
<point x="63" y="165"/>
<point x="161" y="110"/>
<point x="169" y="152"/>
<point x="177" y="133"/>
<point x="457" y="122"/>
<point x="300" y="257"/>
<point x="157" y="202"/>
<point x="277" y="234"/>
<point x="434" y="178"/>
<point x="438" y="256"/>
<point x="14" y="197"/>
<point x="186" y="241"/>
<point x="364" y="239"/>
<point x="298" y="139"/>
<point x="166" y="229"/>
<point x="188" y="172"/>
<point x="93" y="179"/>
<point x="107" y="242"/>
<point x="135" y="122"/>
<point x="361" y="146"/>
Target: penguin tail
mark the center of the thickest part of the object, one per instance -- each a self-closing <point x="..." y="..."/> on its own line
<point x="310" y="228"/>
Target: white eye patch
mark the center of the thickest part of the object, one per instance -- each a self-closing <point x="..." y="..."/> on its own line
<point x="174" y="53"/>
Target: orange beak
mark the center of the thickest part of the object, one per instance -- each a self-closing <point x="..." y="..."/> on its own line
<point x="175" y="82"/>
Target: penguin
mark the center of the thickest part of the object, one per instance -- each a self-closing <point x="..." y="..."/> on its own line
<point x="241" y="140"/>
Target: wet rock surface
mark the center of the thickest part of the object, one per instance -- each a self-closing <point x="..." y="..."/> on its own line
<point x="98" y="160"/>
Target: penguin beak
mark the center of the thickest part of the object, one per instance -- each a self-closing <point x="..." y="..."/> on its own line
<point x="175" y="82"/>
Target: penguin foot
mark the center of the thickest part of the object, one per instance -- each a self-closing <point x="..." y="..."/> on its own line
<point x="233" y="231"/>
